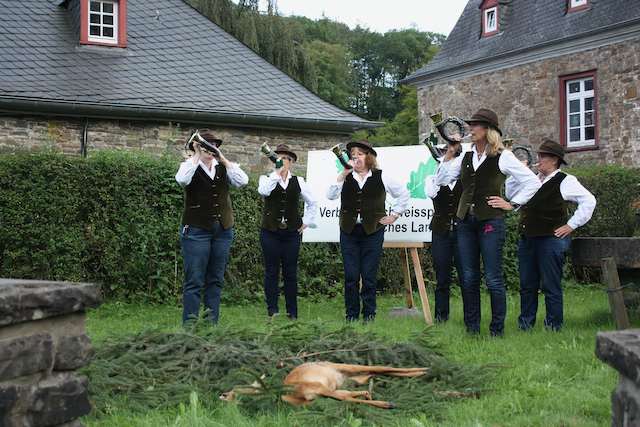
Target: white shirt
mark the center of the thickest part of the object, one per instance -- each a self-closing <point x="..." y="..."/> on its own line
<point x="508" y="165"/>
<point x="571" y="190"/>
<point x="391" y="186"/>
<point x="267" y="183"/>
<point x="431" y="189"/>
<point x="236" y="176"/>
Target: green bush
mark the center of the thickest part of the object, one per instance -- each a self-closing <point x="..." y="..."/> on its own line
<point x="615" y="189"/>
<point x="114" y="219"/>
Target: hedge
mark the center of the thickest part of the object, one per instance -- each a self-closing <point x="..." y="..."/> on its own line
<point x="113" y="219"/>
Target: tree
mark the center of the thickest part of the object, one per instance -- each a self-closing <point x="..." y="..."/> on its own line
<point x="277" y="39"/>
<point x="332" y="70"/>
<point x="401" y="129"/>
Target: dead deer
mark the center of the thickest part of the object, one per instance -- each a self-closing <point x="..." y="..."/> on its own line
<point x="323" y="378"/>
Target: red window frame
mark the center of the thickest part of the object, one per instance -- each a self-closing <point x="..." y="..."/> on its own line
<point x="562" y="85"/>
<point x="122" y="24"/>
<point x="573" y="9"/>
<point x="486" y="5"/>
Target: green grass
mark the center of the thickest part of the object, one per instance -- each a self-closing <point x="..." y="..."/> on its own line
<point x="546" y="378"/>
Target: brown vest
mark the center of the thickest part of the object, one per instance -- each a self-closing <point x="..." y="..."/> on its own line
<point x="546" y="211"/>
<point x="283" y="203"/>
<point x="478" y="185"/>
<point x="445" y="204"/>
<point x="207" y="200"/>
<point x="368" y="202"/>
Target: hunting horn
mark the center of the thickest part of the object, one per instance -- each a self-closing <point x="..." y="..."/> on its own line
<point x="206" y="145"/>
<point x="436" y="153"/>
<point x="271" y="155"/>
<point x="442" y="127"/>
<point x="340" y="155"/>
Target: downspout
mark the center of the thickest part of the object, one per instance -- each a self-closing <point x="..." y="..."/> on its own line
<point x="83" y="140"/>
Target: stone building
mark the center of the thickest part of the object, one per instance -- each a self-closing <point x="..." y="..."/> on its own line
<point x="565" y="70"/>
<point x="84" y="75"/>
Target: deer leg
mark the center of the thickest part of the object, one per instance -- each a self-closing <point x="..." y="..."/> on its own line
<point x="350" y="396"/>
<point x="367" y="372"/>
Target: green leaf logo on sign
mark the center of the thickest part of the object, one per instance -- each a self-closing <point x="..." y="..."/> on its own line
<point x="418" y="178"/>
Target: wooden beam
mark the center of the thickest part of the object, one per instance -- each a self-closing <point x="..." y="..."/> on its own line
<point x="616" y="301"/>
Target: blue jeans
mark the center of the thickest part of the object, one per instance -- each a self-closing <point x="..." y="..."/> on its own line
<point x="444" y="250"/>
<point x="360" y="257"/>
<point x="484" y="238"/>
<point x="540" y="262"/>
<point x="205" y="254"/>
<point x="280" y="247"/>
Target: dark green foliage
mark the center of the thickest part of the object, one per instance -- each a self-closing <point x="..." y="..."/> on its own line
<point x="109" y="219"/>
<point x="154" y="369"/>
<point x="615" y="189"/>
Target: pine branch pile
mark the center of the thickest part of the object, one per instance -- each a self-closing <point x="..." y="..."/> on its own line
<point x="154" y="369"/>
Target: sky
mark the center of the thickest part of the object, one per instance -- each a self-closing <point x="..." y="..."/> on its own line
<point x="436" y="16"/>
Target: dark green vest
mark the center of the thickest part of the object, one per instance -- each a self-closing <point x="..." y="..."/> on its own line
<point x="445" y="205"/>
<point x="283" y="203"/>
<point x="478" y="185"/>
<point x="546" y="211"/>
<point x="207" y="200"/>
<point x="368" y="202"/>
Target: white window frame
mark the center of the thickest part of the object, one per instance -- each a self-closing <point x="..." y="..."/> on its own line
<point x="491" y="20"/>
<point x="581" y="97"/>
<point x="101" y="25"/>
<point x="578" y="3"/>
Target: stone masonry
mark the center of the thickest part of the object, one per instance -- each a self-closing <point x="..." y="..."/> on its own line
<point x="526" y="99"/>
<point x="43" y="341"/>
<point x="242" y="145"/>
<point x="621" y="351"/>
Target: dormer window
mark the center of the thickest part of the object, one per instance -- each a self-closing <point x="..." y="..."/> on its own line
<point x="104" y="22"/>
<point x="578" y="5"/>
<point x="489" y="10"/>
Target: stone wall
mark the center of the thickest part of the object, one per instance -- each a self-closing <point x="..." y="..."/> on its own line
<point x="43" y="341"/>
<point x="241" y="145"/>
<point x="526" y="99"/>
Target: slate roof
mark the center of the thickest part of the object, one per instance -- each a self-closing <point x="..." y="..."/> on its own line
<point x="178" y="66"/>
<point x="529" y="30"/>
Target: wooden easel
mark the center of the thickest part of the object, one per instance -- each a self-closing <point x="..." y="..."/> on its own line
<point x="404" y="260"/>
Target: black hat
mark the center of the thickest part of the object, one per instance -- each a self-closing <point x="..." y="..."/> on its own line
<point x="486" y="116"/>
<point x="284" y="149"/>
<point x="553" y="148"/>
<point x="362" y="143"/>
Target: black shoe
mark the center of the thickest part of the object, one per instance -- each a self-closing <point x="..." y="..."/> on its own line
<point x="368" y="319"/>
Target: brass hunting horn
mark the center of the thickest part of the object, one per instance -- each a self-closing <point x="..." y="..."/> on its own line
<point x="271" y="155"/>
<point x="340" y="155"/>
<point x="206" y="145"/>
<point x="449" y="127"/>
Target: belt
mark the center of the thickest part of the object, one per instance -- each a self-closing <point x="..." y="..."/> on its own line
<point x="282" y="225"/>
<point x="471" y="209"/>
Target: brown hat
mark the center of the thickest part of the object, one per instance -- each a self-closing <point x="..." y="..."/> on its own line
<point x="486" y="116"/>
<point x="284" y="149"/>
<point x="553" y="148"/>
<point x="208" y="136"/>
<point x="362" y="143"/>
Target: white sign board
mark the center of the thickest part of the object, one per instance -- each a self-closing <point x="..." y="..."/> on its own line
<point x="410" y="165"/>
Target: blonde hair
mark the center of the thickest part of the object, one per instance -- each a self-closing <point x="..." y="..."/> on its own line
<point x="494" y="142"/>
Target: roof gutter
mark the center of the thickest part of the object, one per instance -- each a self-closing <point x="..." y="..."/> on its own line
<point x="26" y="105"/>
